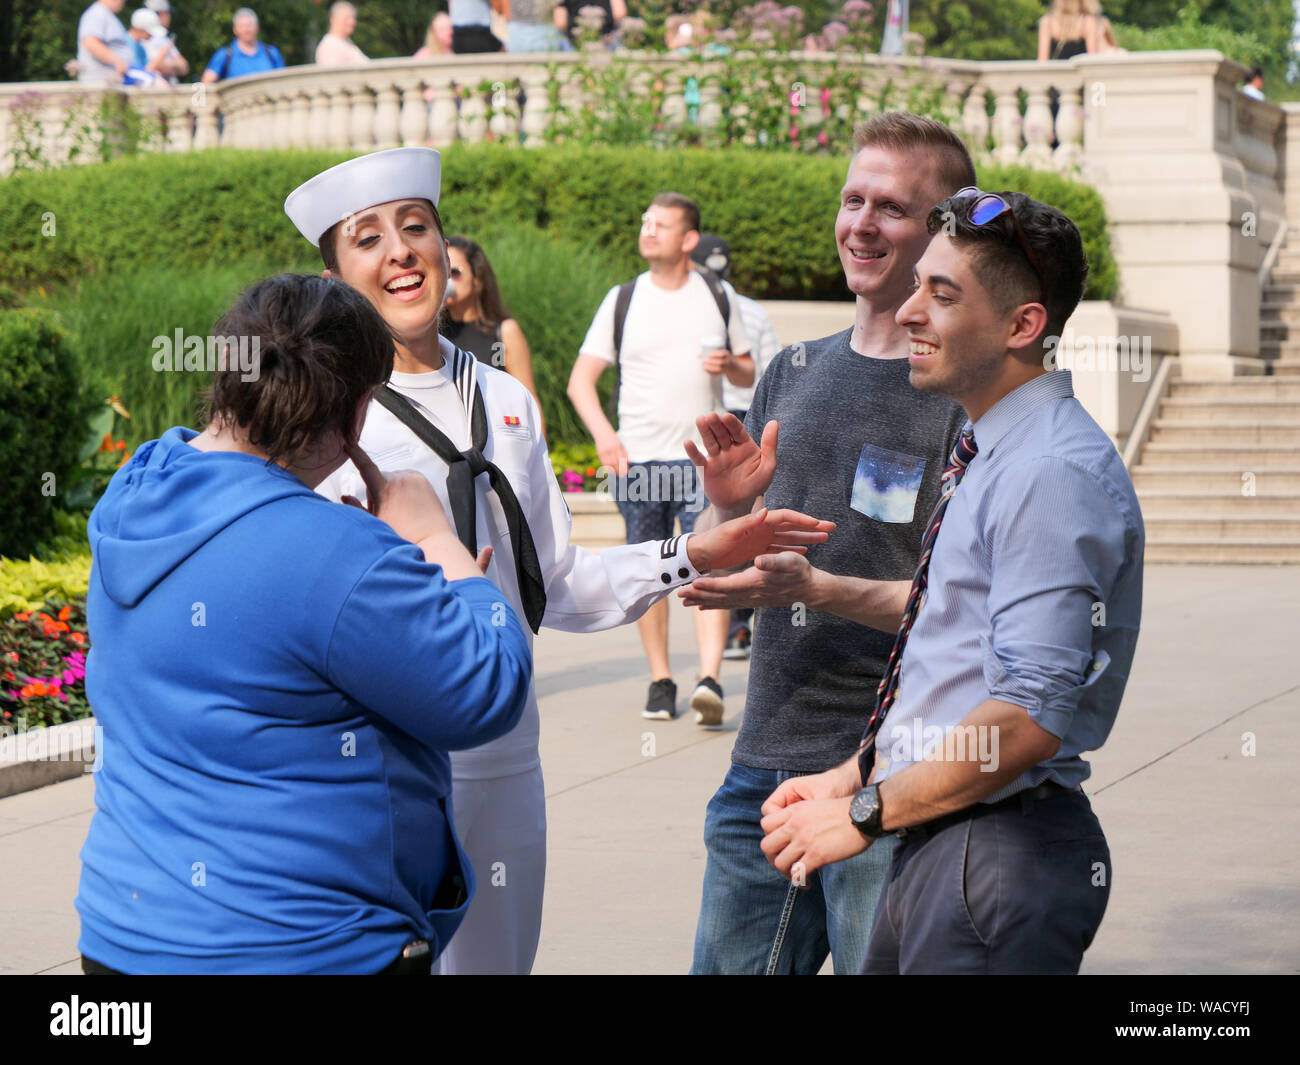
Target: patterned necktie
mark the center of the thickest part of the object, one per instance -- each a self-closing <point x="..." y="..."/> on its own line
<point x="887" y="692"/>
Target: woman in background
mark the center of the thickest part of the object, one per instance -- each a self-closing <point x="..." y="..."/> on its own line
<point x="1074" y="27"/>
<point x="477" y="319"/>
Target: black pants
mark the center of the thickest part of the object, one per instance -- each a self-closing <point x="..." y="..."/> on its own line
<point x="466" y="39"/>
<point x="400" y="966"/>
<point x="1018" y="888"/>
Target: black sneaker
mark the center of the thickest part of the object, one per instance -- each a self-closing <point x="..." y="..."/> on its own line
<point x="706" y="701"/>
<point x="661" y="703"/>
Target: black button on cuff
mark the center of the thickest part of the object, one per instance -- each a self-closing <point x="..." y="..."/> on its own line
<point x="683" y="572"/>
<point x="666" y="578"/>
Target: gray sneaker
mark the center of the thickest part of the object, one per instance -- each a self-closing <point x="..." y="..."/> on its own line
<point x="661" y="703"/>
<point x="706" y="701"/>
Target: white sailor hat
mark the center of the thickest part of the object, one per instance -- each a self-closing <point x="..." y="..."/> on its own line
<point x="343" y="190"/>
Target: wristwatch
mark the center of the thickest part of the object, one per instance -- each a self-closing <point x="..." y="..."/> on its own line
<point x="866" y="812"/>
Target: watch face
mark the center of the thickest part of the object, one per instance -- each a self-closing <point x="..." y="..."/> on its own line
<point x="863" y="806"/>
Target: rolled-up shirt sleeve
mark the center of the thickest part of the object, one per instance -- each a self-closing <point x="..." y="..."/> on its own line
<point x="1056" y="545"/>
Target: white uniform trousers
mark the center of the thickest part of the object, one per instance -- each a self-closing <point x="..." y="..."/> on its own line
<point x="501" y="823"/>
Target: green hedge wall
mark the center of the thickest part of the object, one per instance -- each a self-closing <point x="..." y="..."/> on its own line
<point x="42" y="414"/>
<point x="776" y="210"/>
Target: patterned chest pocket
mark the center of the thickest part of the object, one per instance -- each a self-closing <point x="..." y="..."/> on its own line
<point x="886" y="485"/>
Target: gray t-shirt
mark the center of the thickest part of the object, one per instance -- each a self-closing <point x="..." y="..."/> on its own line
<point x="98" y="21"/>
<point x="861" y="447"/>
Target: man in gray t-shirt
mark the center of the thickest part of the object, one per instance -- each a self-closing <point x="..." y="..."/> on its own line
<point x="835" y="429"/>
<point x="103" y="46"/>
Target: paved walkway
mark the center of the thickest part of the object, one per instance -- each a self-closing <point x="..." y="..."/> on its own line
<point x="1205" y="839"/>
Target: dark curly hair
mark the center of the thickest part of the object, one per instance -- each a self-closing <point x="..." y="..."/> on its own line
<point x="1001" y="265"/>
<point x="320" y="348"/>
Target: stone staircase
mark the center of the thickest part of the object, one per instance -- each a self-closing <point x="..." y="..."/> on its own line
<point x="1219" y="477"/>
<point x="1279" y="314"/>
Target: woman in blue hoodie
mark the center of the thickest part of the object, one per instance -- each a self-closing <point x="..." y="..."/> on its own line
<point x="280" y="678"/>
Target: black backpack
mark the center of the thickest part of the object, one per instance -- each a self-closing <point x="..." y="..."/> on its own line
<point x="624" y="300"/>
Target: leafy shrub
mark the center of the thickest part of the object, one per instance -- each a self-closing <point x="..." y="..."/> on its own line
<point x="1190" y="32"/>
<point x="776" y="210"/>
<point x="42" y="414"/>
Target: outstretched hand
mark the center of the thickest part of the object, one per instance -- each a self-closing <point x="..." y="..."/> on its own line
<point x="738" y="541"/>
<point x="773" y="580"/>
<point x="735" y="470"/>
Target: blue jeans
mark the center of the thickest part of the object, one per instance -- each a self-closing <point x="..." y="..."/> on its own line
<point x="754" y="921"/>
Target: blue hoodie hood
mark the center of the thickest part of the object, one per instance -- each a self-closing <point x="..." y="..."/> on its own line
<point x="169" y="501"/>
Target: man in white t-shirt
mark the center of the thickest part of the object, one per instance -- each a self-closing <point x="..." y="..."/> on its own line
<point x="676" y="349"/>
<point x="336" y="48"/>
<point x="104" y="50"/>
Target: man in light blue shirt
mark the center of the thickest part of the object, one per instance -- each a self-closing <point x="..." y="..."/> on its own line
<point x="1015" y="638"/>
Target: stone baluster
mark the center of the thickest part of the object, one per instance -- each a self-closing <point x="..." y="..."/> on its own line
<point x="537" y="108"/>
<point x="674" y="101"/>
<point x="232" y="118"/>
<point x="337" y="118"/>
<point x="414" y="122"/>
<point x="281" y="119"/>
<point x="205" y="114"/>
<point x="263" y="123"/>
<point x="361" y="124"/>
<point x="473" y="114"/>
<point x="975" y="121"/>
<point x="443" y="118"/>
<point x="1069" y="129"/>
<point x="1006" y="124"/>
<point x="1038" y="129"/>
<point x="387" y="117"/>
<point x="180" y="129"/>
<point x="300" y="112"/>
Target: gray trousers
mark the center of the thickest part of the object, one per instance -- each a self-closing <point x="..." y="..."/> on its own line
<point x="1019" y="888"/>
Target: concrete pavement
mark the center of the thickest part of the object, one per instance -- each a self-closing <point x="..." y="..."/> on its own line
<point x="1204" y="836"/>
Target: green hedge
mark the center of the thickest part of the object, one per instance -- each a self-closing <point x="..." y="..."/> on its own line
<point x="177" y="211"/>
<point x="42" y="418"/>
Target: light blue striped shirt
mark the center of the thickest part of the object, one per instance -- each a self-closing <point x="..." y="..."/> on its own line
<point x="1035" y="591"/>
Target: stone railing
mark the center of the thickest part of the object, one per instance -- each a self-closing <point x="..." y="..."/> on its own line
<point x="1196" y="177"/>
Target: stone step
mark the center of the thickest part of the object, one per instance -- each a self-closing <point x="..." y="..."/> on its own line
<point x="1252" y="458"/>
<point x="1217" y="481"/>
<point x="1230" y="552"/>
<point x="1240" y="389"/>
<point x="1280" y="311"/>
<point x="1176" y="503"/>
<point x="1221" y="411"/>
<point x="1271" y="347"/>
<point x="1285" y="367"/>
<point x="1206" y="433"/>
<point x="1280" y="529"/>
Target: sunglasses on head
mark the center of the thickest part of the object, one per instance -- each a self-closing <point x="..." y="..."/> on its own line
<point x="454" y="271"/>
<point x="988" y="206"/>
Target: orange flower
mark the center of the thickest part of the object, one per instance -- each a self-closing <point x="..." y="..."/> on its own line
<point x="62" y="626"/>
<point x="120" y="445"/>
<point x="41" y="688"/>
<point x="26" y="691"/>
<point x="78" y="637"/>
<point x="22" y="617"/>
<point x="65" y="613"/>
<point x="107" y="443"/>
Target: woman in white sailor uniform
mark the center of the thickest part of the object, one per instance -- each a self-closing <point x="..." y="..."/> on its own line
<point x="472" y="430"/>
